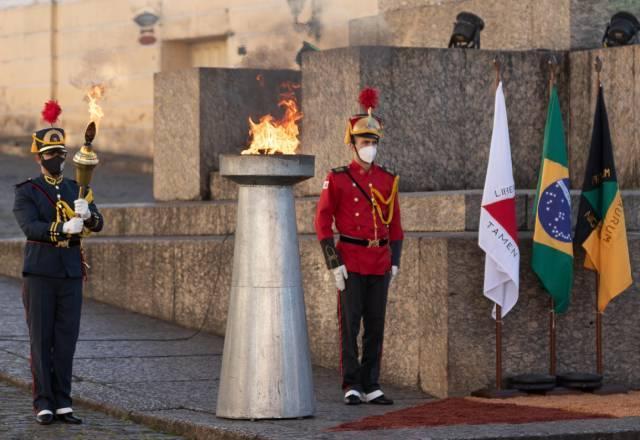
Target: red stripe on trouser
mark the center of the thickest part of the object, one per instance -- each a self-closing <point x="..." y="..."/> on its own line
<point x="340" y="328"/>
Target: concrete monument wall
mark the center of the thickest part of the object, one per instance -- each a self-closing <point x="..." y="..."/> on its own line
<point x="439" y="332"/>
<point x="620" y="78"/>
<point x="173" y="261"/>
<point x="200" y="113"/>
<point x="509" y="24"/>
<point x="437" y="105"/>
<point x="438" y="108"/>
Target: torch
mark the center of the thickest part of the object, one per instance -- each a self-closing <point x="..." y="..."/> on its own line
<point x="86" y="159"/>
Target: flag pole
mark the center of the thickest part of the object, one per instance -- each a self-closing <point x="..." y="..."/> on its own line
<point x="599" y="366"/>
<point x="496" y="65"/>
<point x="497" y="391"/>
<point x="553" y="62"/>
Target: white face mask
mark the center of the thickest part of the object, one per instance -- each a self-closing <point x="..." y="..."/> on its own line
<point x="368" y="154"/>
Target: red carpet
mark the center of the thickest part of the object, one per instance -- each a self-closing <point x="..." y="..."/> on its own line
<point x="460" y="411"/>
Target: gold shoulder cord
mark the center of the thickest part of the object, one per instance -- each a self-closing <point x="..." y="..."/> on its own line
<point x="390" y="202"/>
<point x="387" y="202"/>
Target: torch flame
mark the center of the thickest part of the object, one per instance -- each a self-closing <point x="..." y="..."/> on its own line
<point x="95" y="94"/>
<point x="272" y="136"/>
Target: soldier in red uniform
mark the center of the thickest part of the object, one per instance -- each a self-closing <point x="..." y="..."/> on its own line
<point x="362" y="199"/>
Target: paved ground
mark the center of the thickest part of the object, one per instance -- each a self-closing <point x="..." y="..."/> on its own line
<point x="16" y="423"/>
<point x="111" y="185"/>
<point x="128" y="365"/>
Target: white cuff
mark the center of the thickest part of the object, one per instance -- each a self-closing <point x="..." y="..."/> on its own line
<point x="44" y="411"/>
<point x="353" y="393"/>
<point x="66" y="410"/>
<point x="373" y="395"/>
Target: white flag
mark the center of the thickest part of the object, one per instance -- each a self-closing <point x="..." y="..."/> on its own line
<point x="498" y="231"/>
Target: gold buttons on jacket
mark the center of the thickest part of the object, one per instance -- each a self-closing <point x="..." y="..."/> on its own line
<point x="355" y="199"/>
<point x="357" y="214"/>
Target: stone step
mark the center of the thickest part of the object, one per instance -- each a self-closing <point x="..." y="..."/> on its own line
<point x="438" y="211"/>
<point x="439" y="331"/>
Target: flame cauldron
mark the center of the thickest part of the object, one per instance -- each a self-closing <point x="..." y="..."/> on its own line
<point x="266" y="363"/>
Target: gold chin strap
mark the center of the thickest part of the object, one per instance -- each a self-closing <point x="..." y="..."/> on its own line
<point x="378" y="199"/>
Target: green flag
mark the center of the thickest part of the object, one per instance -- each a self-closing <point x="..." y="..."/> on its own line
<point x="552" y="255"/>
<point x="601" y="227"/>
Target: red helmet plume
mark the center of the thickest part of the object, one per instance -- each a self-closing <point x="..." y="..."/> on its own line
<point x="51" y="111"/>
<point x="368" y="98"/>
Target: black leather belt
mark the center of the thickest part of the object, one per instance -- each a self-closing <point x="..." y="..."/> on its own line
<point x="362" y="242"/>
<point x="60" y="244"/>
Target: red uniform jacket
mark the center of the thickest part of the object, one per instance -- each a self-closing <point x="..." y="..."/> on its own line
<point x="343" y="202"/>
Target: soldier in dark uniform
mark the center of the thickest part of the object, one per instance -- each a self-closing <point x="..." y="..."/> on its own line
<point x="361" y="199"/>
<point x="53" y="272"/>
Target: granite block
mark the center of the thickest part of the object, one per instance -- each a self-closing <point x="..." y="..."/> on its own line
<point x="221" y="188"/>
<point x="439" y="331"/>
<point x="202" y="283"/>
<point x="433" y="312"/>
<point x="330" y="87"/>
<point x="450" y="89"/>
<point x="471" y="336"/>
<point x="621" y="83"/>
<point x="201" y="113"/>
<point x="435" y="211"/>
<point x="400" y="363"/>
<point x="320" y="297"/>
<point x="176" y="157"/>
<point x="523" y="24"/>
<point x="509" y="25"/>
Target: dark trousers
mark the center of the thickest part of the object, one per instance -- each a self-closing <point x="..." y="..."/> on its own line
<point x="52" y="308"/>
<point x="364" y="300"/>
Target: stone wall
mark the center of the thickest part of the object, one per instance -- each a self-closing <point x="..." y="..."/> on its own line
<point x="438" y="108"/>
<point x="200" y="113"/>
<point x="509" y="24"/>
<point x="621" y="82"/>
<point x="438" y="211"/>
<point x="173" y="261"/>
<point x="437" y="105"/>
<point x="439" y="331"/>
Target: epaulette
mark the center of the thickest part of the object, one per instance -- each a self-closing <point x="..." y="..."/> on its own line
<point x="387" y="170"/>
<point x="22" y="183"/>
<point x="339" y="170"/>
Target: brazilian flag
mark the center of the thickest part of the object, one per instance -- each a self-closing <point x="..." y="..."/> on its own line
<point x="552" y="255"/>
<point x="601" y="228"/>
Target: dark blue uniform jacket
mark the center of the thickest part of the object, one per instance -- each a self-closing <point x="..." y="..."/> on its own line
<point x="49" y="251"/>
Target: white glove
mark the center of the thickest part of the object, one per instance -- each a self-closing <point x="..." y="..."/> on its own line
<point x="81" y="207"/>
<point x="394" y="272"/>
<point x="340" y="274"/>
<point x="73" y="226"/>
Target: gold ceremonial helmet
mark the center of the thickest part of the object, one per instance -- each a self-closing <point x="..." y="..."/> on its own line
<point x="48" y="139"/>
<point x="365" y="123"/>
